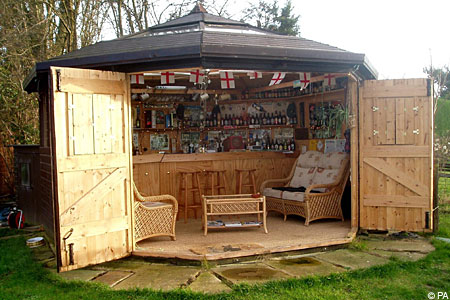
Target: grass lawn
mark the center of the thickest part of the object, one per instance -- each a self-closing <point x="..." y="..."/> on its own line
<point x="22" y="278"/>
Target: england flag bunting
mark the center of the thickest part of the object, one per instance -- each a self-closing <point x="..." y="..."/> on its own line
<point x="226" y="80"/>
<point x="254" y="75"/>
<point x="277" y="78"/>
<point x="329" y="80"/>
<point x="137" y="79"/>
<point x="197" y="76"/>
<point x="305" y="80"/>
<point x="167" y="77"/>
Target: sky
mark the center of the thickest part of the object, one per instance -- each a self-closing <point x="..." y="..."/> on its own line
<point x="398" y="37"/>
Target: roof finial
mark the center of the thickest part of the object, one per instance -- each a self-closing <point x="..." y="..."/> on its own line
<point x="198" y="8"/>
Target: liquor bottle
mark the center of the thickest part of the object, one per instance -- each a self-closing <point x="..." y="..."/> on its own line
<point x="292" y="145"/>
<point x="275" y="118"/>
<point x="279" y="119"/>
<point x="285" y="145"/>
<point x="264" y="120"/>
<point x="215" y="120"/>
<point x="222" y="122"/>
<point x="272" y="121"/>
<point x="280" y="146"/>
<point x="148" y="119"/>
<point x="283" y="120"/>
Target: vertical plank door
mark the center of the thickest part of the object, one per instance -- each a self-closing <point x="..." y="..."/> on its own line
<point x="396" y="155"/>
<point x="91" y="112"/>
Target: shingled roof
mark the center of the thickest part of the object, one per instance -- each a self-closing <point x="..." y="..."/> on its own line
<point x="200" y="39"/>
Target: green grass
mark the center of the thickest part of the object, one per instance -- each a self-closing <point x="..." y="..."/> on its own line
<point x="23" y="278"/>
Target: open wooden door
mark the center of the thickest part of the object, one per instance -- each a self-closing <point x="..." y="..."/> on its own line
<point x="396" y="155"/>
<point x="91" y="112"/>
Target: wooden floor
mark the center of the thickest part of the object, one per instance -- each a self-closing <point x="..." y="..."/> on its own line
<point x="283" y="236"/>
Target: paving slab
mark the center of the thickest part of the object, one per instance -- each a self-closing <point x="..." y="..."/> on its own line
<point x="304" y="266"/>
<point x="209" y="284"/>
<point x="81" y="274"/>
<point x="159" y="276"/>
<point x="417" y="245"/>
<point x="351" y="259"/>
<point x="404" y="255"/>
<point x="114" y="277"/>
<point x="249" y="273"/>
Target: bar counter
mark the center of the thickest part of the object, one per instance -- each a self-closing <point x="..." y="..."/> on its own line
<point x="156" y="174"/>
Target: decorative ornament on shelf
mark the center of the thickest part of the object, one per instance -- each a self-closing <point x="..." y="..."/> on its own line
<point x="227" y="80"/>
<point x="167" y="77"/>
<point x="277" y="78"/>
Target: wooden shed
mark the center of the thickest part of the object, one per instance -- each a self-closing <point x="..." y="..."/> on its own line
<point x="93" y="119"/>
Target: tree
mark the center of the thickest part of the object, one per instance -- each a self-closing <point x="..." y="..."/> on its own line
<point x="267" y="15"/>
<point x="441" y="78"/>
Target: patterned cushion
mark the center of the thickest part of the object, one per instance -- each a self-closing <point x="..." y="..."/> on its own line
<point x="268" y="192"/>
<point x="302" y="177"/>
<point x="295" y="196"/>
<point x="309" y="159"/>
<point x="333" y="160"/>
<point x="325" y="176"/>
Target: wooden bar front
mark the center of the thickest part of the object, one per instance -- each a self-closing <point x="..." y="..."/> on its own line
<point x="156" y="174"/>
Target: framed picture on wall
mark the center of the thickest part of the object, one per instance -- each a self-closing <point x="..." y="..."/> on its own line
<point x="159" y="142"/>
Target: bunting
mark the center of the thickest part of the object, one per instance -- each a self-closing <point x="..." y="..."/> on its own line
<point x="197" y="76"/>
<point x="305" y="80"/>
<point x="137" y="79"/>
<point x="329" y="80"/>
<point x="226" y="80"/>
<point x="254" y="75"/>
<point x="167" y="77"/>
<point x="277" y="78"/>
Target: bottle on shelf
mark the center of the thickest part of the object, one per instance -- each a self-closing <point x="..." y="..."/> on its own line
<point x="292" y="144"/>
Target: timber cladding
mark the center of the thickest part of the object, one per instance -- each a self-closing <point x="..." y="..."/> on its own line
<point x="160" y="175"/>
<point x="92" y="151"/>
<point x="396" y="155"/>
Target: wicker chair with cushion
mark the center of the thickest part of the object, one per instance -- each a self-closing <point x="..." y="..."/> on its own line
<point x="313" y="188"/>
<point x="154" y="215"/>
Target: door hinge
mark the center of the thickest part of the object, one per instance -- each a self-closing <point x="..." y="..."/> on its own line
<point x="375" y="108"/>
<point x="375" y="132"/>
<point x="58" y="80"/>
<point x="416" y="131"/>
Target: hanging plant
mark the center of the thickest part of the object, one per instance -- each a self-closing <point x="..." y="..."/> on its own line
<point x="339" y="115"/>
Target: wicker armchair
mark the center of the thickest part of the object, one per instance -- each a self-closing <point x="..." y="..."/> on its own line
<point x="154" y="215"/>
<point x="323" y="175"/>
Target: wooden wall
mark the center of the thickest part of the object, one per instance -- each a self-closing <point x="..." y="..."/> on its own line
<point x="46" y="192"/>
<point x="156" y="174"/>
<point x="28" y="197"/>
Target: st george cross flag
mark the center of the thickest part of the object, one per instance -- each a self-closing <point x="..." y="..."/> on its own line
<point x="137" y="79"/>
<point x="197" y="76"/>
<point x="254" y="75"/>
<point x="329" y="80"/>
<point x="167" y="77"/>
<point x="226" y="80"/>
<point x="277" y="78"/>
<point x="305" y="80"/>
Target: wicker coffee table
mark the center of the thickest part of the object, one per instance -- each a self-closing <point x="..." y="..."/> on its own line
<point x="242" y="204"/>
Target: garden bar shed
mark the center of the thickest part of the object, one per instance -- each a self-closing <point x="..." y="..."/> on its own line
<point x="204" y="105"/>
